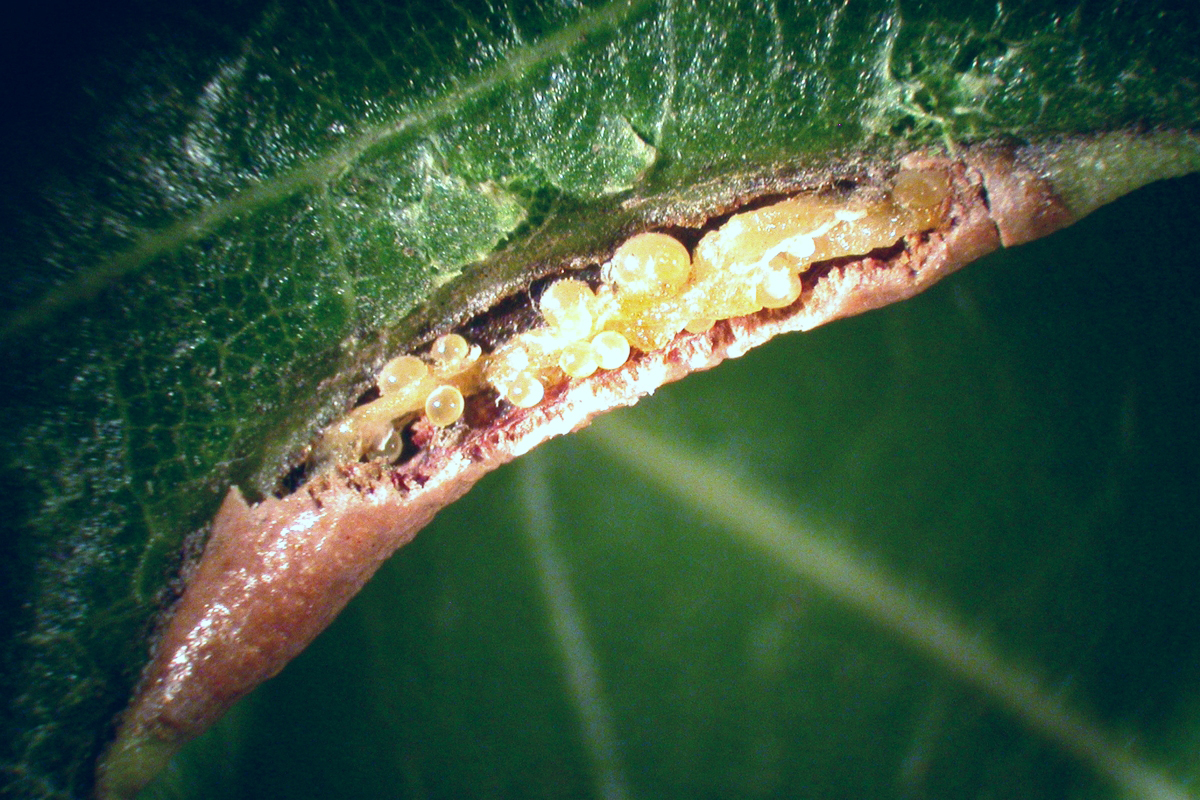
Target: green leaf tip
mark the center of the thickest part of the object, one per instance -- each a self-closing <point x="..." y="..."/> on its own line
<point x="130" y="765"/>
<point x="1091" y="172"/>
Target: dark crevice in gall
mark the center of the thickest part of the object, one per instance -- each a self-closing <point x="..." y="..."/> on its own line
<point x="821" y="269"/>
<point x="370" y="395"/>
<point x="409" y="447"/>
<point x="482" y="409"/>
<point x="498" y="324"/>
<point x="589" y="275"/>
<point x="293" y="479"/>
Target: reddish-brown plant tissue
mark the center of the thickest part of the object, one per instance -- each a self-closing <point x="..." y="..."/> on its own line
<point x="275" y="574"/>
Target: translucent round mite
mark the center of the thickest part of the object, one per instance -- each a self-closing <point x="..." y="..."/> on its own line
<point x="611" y="349"/>
<point x="567" y="306"/>
<point x="920" y="188"/>
<point x="444" y="405"/>
<point x="700" y="325"/>
<point x="649" y="262"/>
<point x="401" y="373"/>
<point x="779" y="288"/>
<point x="578" y="360"/>
<point x="450" y="349"/>
<point x="388" y="446"/>
<point x="525" y="391"/>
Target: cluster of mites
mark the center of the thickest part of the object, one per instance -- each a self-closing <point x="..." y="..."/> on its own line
<point x="650" y="290"/>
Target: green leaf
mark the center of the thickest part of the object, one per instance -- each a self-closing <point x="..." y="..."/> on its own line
<point x="246" y="208"/>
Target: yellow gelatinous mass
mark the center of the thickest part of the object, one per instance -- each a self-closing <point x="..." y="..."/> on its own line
<point x="509" y="361"/>
<point x="649" y="273"/>
<point x="652" y="288"/>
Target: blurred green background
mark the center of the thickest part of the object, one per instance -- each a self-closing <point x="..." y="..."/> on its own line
<point x="1018" y="446"/>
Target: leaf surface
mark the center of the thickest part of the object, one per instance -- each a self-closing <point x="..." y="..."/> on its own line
<point x="251" y="206"/>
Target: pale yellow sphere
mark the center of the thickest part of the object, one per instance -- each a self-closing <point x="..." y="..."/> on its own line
<point x="920" y="188"/>
<point x="401" y="373"/>
<point x="388" y="446"/>
<point x="578" y="360"/>
<point x="444" y="405"/>
<point x="779" y="288"/>
<point x="450" y="349"/>
<point x="566" y="305"/>
<point x="525" y="391"/>
<point x="650" y="262"/>
<point x="611" y="349"/>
